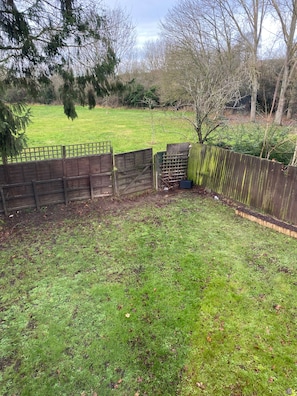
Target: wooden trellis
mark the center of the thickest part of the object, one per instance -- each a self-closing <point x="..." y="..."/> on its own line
<point x="173" y="169"/>
<point x="171" y="165"/>
<point x="59" y="152"/>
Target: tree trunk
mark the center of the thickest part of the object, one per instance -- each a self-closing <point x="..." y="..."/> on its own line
<point x="292" y="90"/>
<point x="254" y="95"/>
<point x="198" y="125"/>
<point x="290" y="108"/>
<point x="282" y="96"/>
<point x="199" y="133"/>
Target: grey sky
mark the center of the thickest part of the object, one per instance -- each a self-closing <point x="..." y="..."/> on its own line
<point x="145" y="14"/>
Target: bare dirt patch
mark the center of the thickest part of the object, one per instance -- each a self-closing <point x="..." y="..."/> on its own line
<point x="55" y="215"/>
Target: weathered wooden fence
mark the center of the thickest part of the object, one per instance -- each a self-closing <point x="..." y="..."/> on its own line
<point x="43" y="182"/>
<point x="133" y="172"/>
<point x="259" y="183"/>
<point x="81" y="172"/>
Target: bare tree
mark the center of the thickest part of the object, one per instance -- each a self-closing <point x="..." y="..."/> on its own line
<point x="286" y="15"/>
<point x="121" y="33"/>
<point x="247" y="19"/>
<point x="154" y="55"/>
<point x="115" y="31"/>
<point x="201" y="62"/>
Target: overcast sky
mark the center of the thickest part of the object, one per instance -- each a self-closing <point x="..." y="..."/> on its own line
<point x="145" y="15"/>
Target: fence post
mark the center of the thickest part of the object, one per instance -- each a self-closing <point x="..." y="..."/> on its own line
<point x="3" y="202"/>
<point x="35" y="195"/>
<point x="91" y="186"/>
<point x="65" y="190"/>
<point x="158" y="160"/>
<point x="114" y="175"/>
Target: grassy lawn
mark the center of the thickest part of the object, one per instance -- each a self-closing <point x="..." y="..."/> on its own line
<point x="132" y="129"/>
<point x="164" y="295"/>
<point x="126" y="129"/>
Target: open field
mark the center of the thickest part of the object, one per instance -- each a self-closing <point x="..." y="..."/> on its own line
<point x="167" y="294"/>
<point x="126" y="129"/>
<point x="132" y="129"/>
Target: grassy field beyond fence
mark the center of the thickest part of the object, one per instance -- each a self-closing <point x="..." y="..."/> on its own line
<point x="126" y="129"/>
<point x="164" y="295"/>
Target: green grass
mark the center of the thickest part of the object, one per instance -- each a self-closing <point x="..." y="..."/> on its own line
<point x="170" y="295"/>
<point x="126" y="129"/>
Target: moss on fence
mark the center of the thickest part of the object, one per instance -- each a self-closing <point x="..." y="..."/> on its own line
<point x="265" y="185"/>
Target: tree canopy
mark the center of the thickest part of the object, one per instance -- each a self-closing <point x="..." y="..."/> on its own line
<point x="38" y="39"/>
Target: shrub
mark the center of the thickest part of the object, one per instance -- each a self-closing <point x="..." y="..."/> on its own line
<point x="271" y="142"/>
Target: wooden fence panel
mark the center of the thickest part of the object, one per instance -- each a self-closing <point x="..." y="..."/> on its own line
<point x="259" y="183"/>
<point x="49" y="192"/>
<point x="41" y="183"/>
<point x="289" y="208"/>
<point x="89" y="177"/>
<point x="134" y="172"/>
<point x="17" y="196"/>
<point x="46" y="182"/>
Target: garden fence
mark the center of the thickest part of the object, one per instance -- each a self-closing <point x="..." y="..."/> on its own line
<point x="261" y="184"/>
<point x="81" y="172"/>
<point x="76" y="172"/>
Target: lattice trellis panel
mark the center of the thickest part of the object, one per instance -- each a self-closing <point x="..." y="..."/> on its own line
<point x="79" y="150"/>
<point x="173" y="169"/>
<point x="57" y="152"/>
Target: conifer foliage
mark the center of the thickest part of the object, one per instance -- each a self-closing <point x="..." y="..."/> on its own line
<point x="39" y="38"/>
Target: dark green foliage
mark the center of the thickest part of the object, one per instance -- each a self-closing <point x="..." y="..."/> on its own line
<point x="278" y="150"/>
<point x="91" y="99"/>
<point x="136" y="95"/>
<point x="69" y="107"/>
<point x="68" y="94"/>
<point x="41" y="38"/>
<point x="269" y="142"/>
<point x="13" y="122"/>
<point x="67" y="8"/>
<point x="45" y="95"/>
